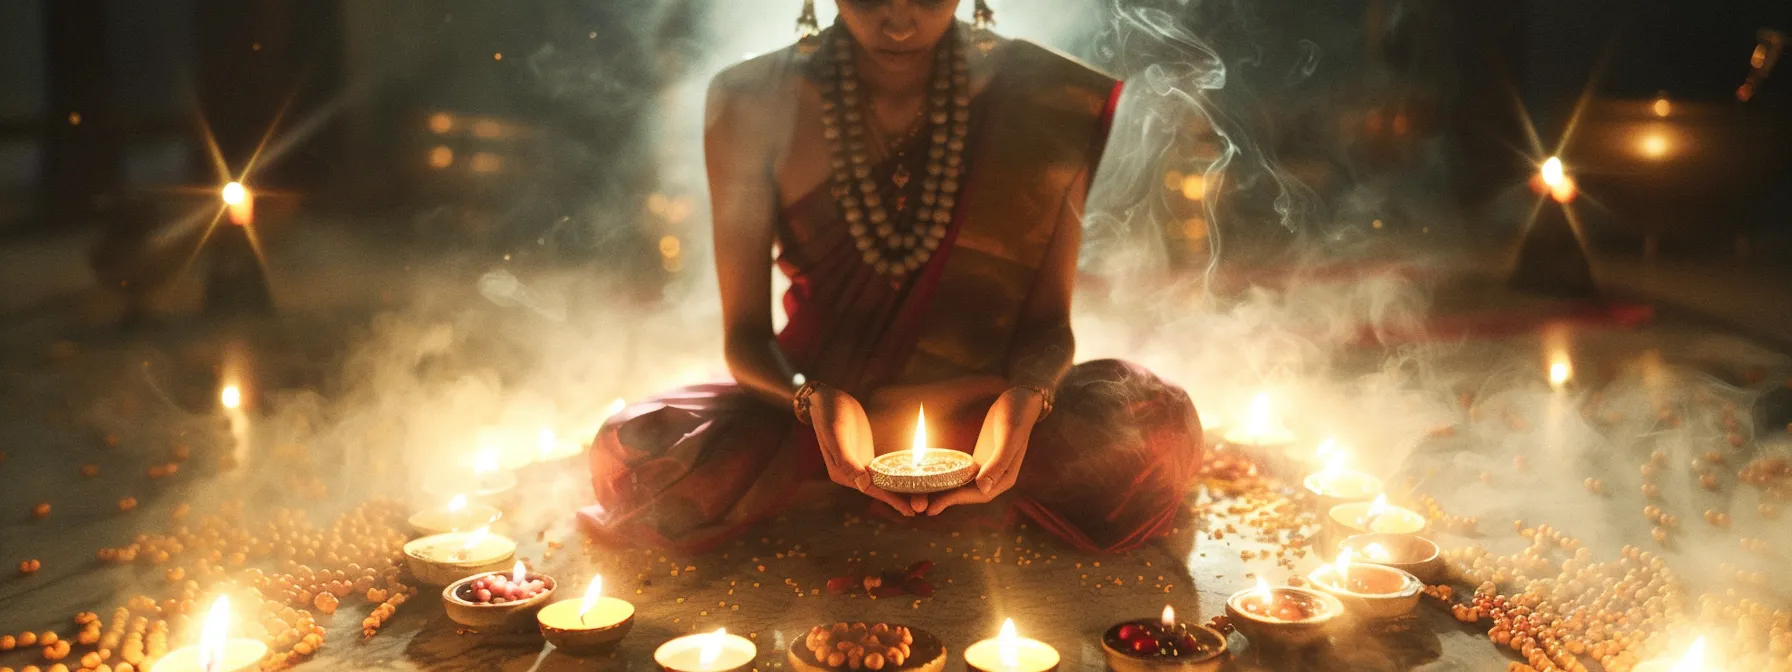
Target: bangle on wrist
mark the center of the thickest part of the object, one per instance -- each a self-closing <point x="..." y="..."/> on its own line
<point x="800" y="403"/>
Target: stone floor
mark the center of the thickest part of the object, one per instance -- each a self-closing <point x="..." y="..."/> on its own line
<point x="76" y="391"/>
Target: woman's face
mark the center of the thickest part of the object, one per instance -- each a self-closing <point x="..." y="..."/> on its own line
<point x="895" y="31"/>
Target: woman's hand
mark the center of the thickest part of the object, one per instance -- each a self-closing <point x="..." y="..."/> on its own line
<point x="844" y="432"/>
<point x="1001" y="446"/>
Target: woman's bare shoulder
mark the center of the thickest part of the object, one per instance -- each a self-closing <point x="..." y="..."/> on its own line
<point x="767" y="78"/>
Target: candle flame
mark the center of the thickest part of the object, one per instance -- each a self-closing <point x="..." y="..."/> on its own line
<point x="1377" y="552"/>
<point x="476" y="537"/>
<point x="1555" y="179"/>
<point x="920" y="436"/>
<point x="547" y="440"/>
<point x="1169" y="617"/>
<point x="712" y="648"/>
<point x="458" y="504"/>
<point x="1008" y="645"/>
<point x="1377" y="509"/>
<point x="1343" y="566"/>
<point x="1335" y="462"/>
<point x="616" y="406"/>
<point x="1259" y="422"/>
<point x="1560" y="370"/>
<point x="1694" y="660"/>
<point x="1262" y="592"/>
<point x="231" y="397"/>
<point x="1325" y="449"/>
<point x="519" y="573"/>
<point x="235" y="193"/>
<point x="213" y="635"/>
<point x="485" y="462"/>
<point x="591" y="595"/>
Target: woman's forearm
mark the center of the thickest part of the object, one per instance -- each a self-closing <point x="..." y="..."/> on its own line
<point x="760" y="366"/>
<point x="1042" y="355"/>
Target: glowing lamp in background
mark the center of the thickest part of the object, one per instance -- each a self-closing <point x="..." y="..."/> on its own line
<point x="239" y="203"/>
<point x="1552" y="178"/>
<point x="922" y="470"/>
<point x="1009" y="652"/>
<point x="231" y="397"/>
<point x="1336" y="484"/>
<point x="1661" y="107"/>
<point x="1561" y="370"/>
<point x="1261" y="426"/>
<point x="217" y="650"/>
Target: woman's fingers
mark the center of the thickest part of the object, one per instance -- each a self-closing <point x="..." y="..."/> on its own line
<point x="918" y="503"/>
<point x="900" y="503"/>
<point x="956" y="497"/>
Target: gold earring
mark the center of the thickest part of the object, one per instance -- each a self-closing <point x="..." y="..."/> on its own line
<point x="808" y="29"/>
<point x="983" y="20"/>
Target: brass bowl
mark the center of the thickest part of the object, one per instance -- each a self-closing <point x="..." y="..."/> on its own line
<point x="519" y="615"/>
<point x="1293" y="634"/>
<point x="1413" y="554"/>
<point x="1120" y="660"/>
<point x="1392" y="593"/>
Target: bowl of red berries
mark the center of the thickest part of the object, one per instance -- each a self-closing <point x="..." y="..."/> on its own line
<point x="498" y="600"/>
<point x="1162" y="645"/>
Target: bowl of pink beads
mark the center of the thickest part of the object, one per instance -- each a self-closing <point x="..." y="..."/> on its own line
<point x="498" y="600"/>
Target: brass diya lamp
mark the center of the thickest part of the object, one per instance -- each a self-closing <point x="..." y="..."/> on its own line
<point x="922" y="470"/>
<point x="500" y="600"/>
<point x="587" y="626"/>
<point x="719" y="651"/>
<point x="1163" y="645"/>
<point x="1372" y="592"/>
<point x="442" y="559"/>
<point x="1410" y="553"/>
<point x="1287" y="617"/>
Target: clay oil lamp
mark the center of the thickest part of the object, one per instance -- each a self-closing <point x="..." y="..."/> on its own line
<point x="1163" y="645"/>
<point x="1262" y="437"/>
<point x="1285" y="617"/>
<point x="502" y="600"/>
<point x="713" y="652"/>
<point x="1009" y="652"/>
<point x="922" y="470"/>
<point x="1377" y="517"/>
<point x="587" y="626"/>
<point x="458" y="515"/>
<point x="442" y="559"/>
<point x="1693" y="661"/>
<point x="1336" y="484"/>
<point x="1372" y="592"/>
<point x="217" y="650"/>
<point x="1413" y="554"/>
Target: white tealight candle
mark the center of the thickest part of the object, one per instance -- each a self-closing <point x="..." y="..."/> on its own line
<point x="217" y="651"/>
<point x="1009" y="652"/>
<point x="713" y="652"/>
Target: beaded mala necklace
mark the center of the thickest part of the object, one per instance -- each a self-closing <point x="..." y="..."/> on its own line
<point x="895" y="238"/>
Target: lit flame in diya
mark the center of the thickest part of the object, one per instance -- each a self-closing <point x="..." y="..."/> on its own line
<point x="1377" y="509"/>
<point x="591" y="594"/>
<point x="1552" y="178"/>
<point x="458" y="504"/>
<point x="1694" y="660"/>
<point x="1008" y="645"/>
<point x="231" y="397"/>
<point x="712" y="648"/>
<point x="1560" y="371"/>
<point x="1169" y="615"/>
<point x="519" y="573"/>
<point x="920" y="451"/>
<point x="213" y="635"/>
<point x="1377" y="553"/>
<point x="239" y="203"/>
